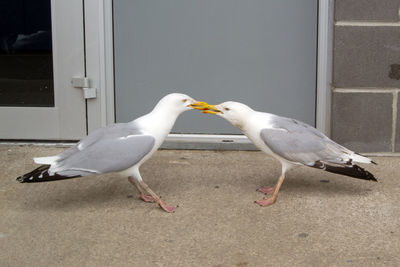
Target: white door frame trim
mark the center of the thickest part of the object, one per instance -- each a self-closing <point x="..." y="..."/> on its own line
<point x="99" y="62"/>
<point x="106" y="83"/>
<point x="324" y="65"/>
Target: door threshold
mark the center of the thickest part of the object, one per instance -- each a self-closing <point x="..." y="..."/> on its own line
<point x="173" y="141"/>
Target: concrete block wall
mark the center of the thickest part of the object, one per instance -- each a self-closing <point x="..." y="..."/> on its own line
<point x="366" y="75"/>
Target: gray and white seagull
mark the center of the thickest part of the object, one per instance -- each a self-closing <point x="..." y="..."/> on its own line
<point x="291" y="142"/>
<point x="121" y="148"/>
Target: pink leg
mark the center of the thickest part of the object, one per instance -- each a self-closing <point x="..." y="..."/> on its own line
<point x="143" y="196"/>
<point x="157" y="198"/>
<point x="268" y="201"/>
<point x="266" y="189"/>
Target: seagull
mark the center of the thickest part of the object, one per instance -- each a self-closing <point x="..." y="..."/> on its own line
<point x="292" y="142"/>
<point x="120" y="148"/>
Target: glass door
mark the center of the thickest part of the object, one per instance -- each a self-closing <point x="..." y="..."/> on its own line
<point x="41" y="49"/>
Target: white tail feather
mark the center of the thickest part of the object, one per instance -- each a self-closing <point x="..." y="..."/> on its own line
<point x="45" y="160"/>
<point x="360" y="159"/>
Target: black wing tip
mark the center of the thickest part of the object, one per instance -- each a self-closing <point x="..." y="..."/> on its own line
<point x="354" y="171"/>
<point x="33" y="175"/>
<point x="48" y="178"/>
<point x="41" y="174"/>
<point x="364" y="174"/>
<point x="21" y="179"/>
<point x="373" y="179"/>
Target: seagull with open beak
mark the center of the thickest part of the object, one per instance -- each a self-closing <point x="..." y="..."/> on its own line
<point x="120" y="148"/>
<point x="291" y="142"/>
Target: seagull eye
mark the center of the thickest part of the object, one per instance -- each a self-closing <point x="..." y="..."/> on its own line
<point x="227" y="109"/>
<point x="184" y="100"/>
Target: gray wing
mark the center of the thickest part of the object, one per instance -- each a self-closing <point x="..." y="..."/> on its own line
<point x="108" y="149"/>
<point x="299" y="142"/>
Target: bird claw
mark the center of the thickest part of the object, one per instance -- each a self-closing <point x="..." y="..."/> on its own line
<point x="266" y="190"/>
<point x="265" y="202"/>
<point x="169" y="209"/>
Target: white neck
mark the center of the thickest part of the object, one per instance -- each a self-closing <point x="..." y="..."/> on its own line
<point x="243" y="120"/>
<point x="256" y="121"/>
<point x="159" y="121"/>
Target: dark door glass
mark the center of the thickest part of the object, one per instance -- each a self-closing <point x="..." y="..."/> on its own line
<point x="26" y="63"/>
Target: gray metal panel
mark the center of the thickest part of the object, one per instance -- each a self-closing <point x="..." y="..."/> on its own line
<point x="259" y="52"/>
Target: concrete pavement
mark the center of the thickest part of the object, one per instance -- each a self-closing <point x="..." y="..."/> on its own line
<point x="320" y="219"/>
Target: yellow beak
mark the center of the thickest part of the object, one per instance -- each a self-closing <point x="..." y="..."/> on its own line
<point x="212" y="110"/>
<point x="199" y="105"/>
<point x="205" y="107"/>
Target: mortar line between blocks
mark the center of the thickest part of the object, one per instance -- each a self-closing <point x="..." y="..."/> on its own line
<point x="366" y="90"/>
<point x="367" y="24"/>
<point x="381" y="154"/>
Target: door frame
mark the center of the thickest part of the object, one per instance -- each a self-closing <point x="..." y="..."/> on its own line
<point x="100" y="68"/>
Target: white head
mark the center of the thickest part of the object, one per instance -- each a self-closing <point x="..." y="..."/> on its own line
<point x="234" y="112"/>
<point x="176" y="103"/>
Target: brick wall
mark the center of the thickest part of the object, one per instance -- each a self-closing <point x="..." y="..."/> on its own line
<point x="366" y="75"/>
